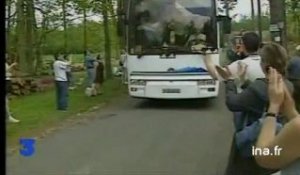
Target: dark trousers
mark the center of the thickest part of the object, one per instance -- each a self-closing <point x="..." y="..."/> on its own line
<point x="238" y="120"/>
<point x="70" y="79"/>
<point x="61" y="95"/>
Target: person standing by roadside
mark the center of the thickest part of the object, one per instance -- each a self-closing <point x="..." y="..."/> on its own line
<point x="90" y="68"/>
<point x="8" y="75"/>
<point x="99" y="77"/>
<point x="61" y="82"/>
<point x="123" y="64"/>
<point x="69" y="72"/>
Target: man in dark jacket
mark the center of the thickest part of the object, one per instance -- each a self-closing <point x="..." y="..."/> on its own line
<point x="253" y="101"/>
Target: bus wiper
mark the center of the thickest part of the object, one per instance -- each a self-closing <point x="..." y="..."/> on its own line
<point x="169" y="50"/>
<point x="152" y="50"/>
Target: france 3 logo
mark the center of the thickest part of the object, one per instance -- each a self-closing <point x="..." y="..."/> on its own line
<point x="28" y="147"/>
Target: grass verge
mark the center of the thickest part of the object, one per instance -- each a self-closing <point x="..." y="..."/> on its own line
<point x="38" y="111"/>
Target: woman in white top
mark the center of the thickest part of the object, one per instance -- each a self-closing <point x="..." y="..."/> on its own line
<point x="8" y="75"/>
<point x="287" y="143"/>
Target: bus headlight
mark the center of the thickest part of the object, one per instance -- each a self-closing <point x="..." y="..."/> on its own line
<point x="138" y="82"/>
<point x="206" y="82"/>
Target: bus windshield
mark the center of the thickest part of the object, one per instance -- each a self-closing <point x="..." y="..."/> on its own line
<point x="179" y="24"/>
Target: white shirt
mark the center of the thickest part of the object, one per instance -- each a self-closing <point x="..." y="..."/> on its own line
<point x="8" y="74"/>
<point x="254" y="70"/>
<point x="124" y="60"/>
<point x="60" y="69"/>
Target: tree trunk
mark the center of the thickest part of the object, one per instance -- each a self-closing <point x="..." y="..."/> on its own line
<point x="84" y="30"/>
<point x="65" y="26"/>
<point x="115" y="24"/>
<point x="277" y="12"/>
<point x="8" y="25"/>
<point x="259" y="20"/>
<point x="107" y="40"/>
<point x="252" y="15"/>
<point x="35" y="36"/>
<point x="30" y="37"/>
<point x="20" y="36"/>
<point x="40" y="40"/>
<point x="120" y="30"/>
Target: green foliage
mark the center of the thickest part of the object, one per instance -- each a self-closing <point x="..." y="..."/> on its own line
<point x="95" y="39"/>
<point x="293" y="19"/>
<point x="53" y="29"/>
<point x="246" y="23"/>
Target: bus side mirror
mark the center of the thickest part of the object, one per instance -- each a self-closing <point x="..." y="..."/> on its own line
<point x="226" y="23"/>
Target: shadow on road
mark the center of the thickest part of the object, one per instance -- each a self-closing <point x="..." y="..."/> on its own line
<point x="176" y="104"/>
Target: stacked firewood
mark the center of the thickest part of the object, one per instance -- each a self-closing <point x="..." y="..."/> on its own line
<point x="23" y="86"/>
<point x="78" y="67"/>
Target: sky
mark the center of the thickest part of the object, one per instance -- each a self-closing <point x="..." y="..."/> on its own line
<point x="244" y="7"/>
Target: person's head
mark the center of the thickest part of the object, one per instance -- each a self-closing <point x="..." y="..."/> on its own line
<point x="98" y="57"/>
<point x="56" y="56"/>
<point x="250" y="42"/>
<point x="65" y="56"/>
<point x="86" y="52"/>
<point x="298" y="51"/>
<point x="274" y="55"/>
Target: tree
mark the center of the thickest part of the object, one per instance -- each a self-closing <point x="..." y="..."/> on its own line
<point x="293" y="15"/>
<point x="83" y="7"/>
<point x="103" y="7"/>
<point x="107" y="38"/>
<point x="247" y="23"/>
<point x="252" y="14"/>
<point x="64" y="14"/>
<point x="50" y="21"/>
<point x="38" y="29"/>
<point x="259" y="19"/>
<point x="277" y="12"/>
<point x="20" y="35"/>
<point x="9" y="18"/>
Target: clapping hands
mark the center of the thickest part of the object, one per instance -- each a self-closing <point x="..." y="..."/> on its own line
<point x="279" y="95"/>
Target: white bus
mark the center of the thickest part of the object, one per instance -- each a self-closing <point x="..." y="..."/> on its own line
<point x="165" y="43"/>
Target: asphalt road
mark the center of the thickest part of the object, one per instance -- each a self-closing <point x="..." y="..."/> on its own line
<point x="137" y="137"/>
